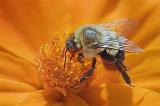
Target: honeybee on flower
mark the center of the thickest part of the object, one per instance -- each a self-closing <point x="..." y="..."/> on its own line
<point x="107" y="40"/>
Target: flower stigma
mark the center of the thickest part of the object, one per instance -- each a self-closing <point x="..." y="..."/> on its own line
<point x="52" y="74"/>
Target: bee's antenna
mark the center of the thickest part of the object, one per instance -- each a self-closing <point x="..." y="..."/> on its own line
<point x="63" y="51"/>
<point x="64" y="55"/>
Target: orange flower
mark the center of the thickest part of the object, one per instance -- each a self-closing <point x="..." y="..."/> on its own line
<point x="26" y="24"/>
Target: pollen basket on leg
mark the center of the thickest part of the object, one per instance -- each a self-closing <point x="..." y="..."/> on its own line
<point x="52" y="73"/>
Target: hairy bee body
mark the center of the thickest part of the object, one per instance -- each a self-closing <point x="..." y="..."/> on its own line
<point x="88" y="41"/>
<point x="88" y="36"/>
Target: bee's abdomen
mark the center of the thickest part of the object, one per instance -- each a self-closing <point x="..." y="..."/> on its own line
<point x="105" y="55"/>
<point x="108" y="60"/>
<point x="108" y="56"/>
<point x="120" y="55"/>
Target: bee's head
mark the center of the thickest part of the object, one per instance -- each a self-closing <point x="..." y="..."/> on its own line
<point x="71" y="46"/>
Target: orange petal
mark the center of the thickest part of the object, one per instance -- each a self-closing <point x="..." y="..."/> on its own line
<point x="73" y="100"/>
<point x="149" y="30"/>
<point x="154" y="44"/>
<point x="11" y="41"/>
<point x="88" y="11"/>
<point x="15" y="86"/>
<point x="115" y="94"/>
<point x="17" y="69"/>
<point x="145" y="72"/>
<point x="22" y="99"/>
<point x="37" y="21"/>
<point x="144" y="13"/>
<point x="37" y="99"/>
<point x="127" y="9"/>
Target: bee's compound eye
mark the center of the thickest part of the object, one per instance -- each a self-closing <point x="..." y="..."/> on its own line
<point x="89" y="33"/>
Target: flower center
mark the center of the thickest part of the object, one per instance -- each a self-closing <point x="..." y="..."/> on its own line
<point x="52" y="73"/>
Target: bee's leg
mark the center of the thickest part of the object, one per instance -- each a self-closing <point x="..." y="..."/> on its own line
<point x="120" y="57"/>
<point x="80" y="58"/>
<point x="122" y="69"/>
<point x="90" y="71"/>
<point x="71" y="58"/>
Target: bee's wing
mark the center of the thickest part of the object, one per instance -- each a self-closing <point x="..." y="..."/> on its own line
<point x="122" y="26"/>
<point x="124" y="44"/>
<point x="128" y="46"/>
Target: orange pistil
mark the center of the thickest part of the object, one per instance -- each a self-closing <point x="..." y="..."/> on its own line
<point x="52" y="74"/>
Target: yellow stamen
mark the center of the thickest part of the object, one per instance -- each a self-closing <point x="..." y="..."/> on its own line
<point x="52" y="74"/>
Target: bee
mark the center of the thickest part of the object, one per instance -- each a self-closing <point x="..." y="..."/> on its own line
<point x="106" y="40"/>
